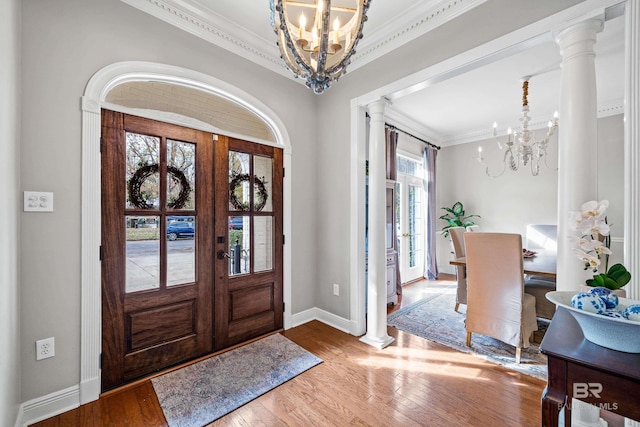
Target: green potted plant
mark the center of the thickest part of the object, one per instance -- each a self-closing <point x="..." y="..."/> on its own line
<point x="455" y="217"/>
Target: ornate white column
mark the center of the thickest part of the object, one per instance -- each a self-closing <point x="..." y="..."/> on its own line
<point x="376" y="287"/>
<point x="577" y="156"/>
<point x="632" y="147"/>
<point x="577" y="140"/>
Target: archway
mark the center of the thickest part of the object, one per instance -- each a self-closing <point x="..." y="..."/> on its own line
<point x="93" y="99"/>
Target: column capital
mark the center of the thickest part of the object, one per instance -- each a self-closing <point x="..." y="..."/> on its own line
<point x="579" y="33"/>
<point x="378" y="107"/>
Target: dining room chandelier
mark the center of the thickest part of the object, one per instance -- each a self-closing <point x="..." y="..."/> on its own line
<point x="521" y="148"/>
<point x="320" y="51"/>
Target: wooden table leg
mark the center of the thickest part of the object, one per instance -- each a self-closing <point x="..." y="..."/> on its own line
<point x="552" y="403"/>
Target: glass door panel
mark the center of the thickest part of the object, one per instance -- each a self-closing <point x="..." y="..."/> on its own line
<point x="239" y="181"/>
<point x="263" y="242"/>
<point x="142" y="253"/>
<point x="411" y="234"/>
<point x="142" y="180"/>
<point x="181" y="250"/>
<point x="181" y="175"/>
<point x="263" y="171"/>
<point x="239" y="245"/>
<point x="415" y="225"/>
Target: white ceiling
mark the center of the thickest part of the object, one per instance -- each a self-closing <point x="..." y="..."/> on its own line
<point x="461" y="109"/>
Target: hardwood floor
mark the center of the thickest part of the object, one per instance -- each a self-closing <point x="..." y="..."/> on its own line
<point x="420" y="289"/>
<point x="413" y="382"/>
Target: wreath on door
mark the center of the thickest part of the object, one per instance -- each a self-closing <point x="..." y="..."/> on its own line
<point x="140" y="176"/>
<point x="260" y="191"/>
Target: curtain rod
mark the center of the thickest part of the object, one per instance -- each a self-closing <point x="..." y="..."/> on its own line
<point x="407" y="133"/>
<point x="412" y="136"/>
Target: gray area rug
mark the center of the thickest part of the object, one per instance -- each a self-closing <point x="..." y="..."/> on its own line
<point x="434" y="318"/>
<point x="205" y="391"/>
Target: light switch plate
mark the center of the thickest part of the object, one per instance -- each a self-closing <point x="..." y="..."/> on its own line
<point x="38" y="201"/>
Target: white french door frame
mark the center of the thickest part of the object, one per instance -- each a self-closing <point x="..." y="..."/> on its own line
<point x="410" y="273"/>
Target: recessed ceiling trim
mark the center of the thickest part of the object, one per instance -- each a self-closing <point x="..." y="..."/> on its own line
<point x="191" y="16"/>
<point x="412" y="24"/>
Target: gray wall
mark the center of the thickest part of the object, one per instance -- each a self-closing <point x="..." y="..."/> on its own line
<point x="510" y="202"/>
<point x="9" y="243"/>
<point x="64" y="43"/>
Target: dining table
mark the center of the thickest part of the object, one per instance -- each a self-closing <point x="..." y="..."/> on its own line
<point x="538" y="265"/>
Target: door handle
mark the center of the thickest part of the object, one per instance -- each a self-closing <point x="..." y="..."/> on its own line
<point x="222" y="254"/>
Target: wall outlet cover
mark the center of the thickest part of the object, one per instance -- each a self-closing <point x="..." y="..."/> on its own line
<point x="45" y="348"/>
<point x="38" y="201"/>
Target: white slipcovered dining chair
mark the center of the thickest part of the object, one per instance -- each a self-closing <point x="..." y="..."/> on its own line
<point x="456" y="234"/>
<point x="497" y="305"/>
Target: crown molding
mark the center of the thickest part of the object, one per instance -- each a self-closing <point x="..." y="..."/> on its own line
<point x="610" y="107"/>
<point x="418" y="129"/>
<point x="194" y="18"/>
<point x="606" y="108"/>
<point x="413" y="23"/>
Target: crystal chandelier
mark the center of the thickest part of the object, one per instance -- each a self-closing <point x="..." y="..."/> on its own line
<point x="521" y="148"/>
<point x="320" y="52"/>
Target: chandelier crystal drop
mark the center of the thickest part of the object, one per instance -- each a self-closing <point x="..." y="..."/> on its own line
<point x="317" y="39"/>
<point x="521" y="148"/>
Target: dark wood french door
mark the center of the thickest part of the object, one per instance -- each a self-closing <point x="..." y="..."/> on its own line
<point x="248" y="272"/>
<point x="166" y="295"/>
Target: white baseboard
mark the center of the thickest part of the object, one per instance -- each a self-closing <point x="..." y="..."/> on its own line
<point x="64" y="400"/>
<point x="449" y="269"/>
<point x="50" y="405"/>
<point x="90" y="390"/>
<point x="20" y="417"/>
<point x="340" y="323"/>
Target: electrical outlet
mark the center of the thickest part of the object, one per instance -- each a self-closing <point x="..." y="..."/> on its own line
<point x="38" y="201"/>
<point x="336" y="289"/>
<point x="45" y="348"/>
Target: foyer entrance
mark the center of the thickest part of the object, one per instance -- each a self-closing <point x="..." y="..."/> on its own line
<point x="191" y="244"/>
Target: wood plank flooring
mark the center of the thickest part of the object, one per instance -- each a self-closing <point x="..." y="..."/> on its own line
<point x="413" y="382"/>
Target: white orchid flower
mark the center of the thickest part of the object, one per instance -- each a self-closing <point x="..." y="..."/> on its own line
<point x="601" y="228"/>
<point x="589" y="260"/>
<point x="595" y="209"/>
<point x="575" y="219"/>
<point x="596" y="246"/>
<point x="592" y="225"/>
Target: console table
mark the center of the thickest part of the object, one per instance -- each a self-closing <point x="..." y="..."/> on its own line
<point x="610" y="379"/>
